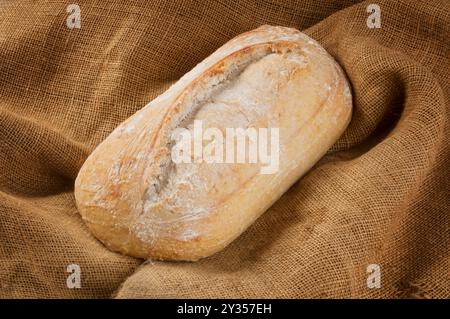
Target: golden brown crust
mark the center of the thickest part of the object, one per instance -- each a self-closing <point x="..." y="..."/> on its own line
<point x="136" y="201"/>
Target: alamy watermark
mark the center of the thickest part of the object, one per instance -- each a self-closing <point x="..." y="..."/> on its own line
<point x="74" y="279"/>
<point x="74" y="19"/>
<point x="233" y="145"/>
<point x="374" y="276"/>
<point x="374" y="19"/>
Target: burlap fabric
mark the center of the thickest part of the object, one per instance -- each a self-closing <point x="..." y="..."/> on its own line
<point x="381" y="195"/>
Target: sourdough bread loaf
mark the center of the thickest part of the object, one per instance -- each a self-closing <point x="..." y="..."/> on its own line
<point x="139" y="201"/>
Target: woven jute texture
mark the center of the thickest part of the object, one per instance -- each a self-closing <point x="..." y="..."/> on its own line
<point x="380" y="196"/>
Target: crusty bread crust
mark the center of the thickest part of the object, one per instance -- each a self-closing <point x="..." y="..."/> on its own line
<point x="138" y="202"/>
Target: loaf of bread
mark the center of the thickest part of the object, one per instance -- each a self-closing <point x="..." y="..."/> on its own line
<point x="151" y="192"/>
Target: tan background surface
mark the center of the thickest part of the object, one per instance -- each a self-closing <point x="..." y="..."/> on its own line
<point x="380" y="196"/>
